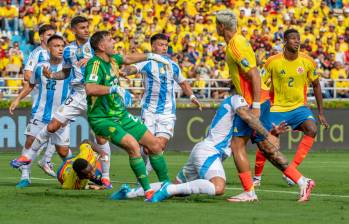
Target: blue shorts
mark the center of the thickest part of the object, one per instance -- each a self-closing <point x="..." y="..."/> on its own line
<point x="241" y="128"/>
<point x="293" y="118"/>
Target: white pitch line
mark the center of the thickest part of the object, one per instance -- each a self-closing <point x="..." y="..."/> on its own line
<point x="227" y="188"/>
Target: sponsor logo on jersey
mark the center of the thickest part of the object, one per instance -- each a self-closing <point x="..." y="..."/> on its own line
<point x="282" y="72"/>
<point x="112" y="129"/>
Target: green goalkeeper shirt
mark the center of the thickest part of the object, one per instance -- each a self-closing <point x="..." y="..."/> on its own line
<point x="104" y="73"/>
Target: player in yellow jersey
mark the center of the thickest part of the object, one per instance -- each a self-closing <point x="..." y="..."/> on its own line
<point x="247" y="82"/>
<point x="289" y="74"/>
<point x="76" y="172"/>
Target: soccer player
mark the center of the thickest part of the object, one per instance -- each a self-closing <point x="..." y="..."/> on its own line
<point x="51" y="94"/>
<point x="76" y="55"/>
<point x="76" y="172"/>
<point x="204" y="172"/>
<point x="159" y="102"/>
<point x="108" y="116"/>
<point x="247" y="82"/>
<point x="40" y="54"/>
<point x="289" y="73"/>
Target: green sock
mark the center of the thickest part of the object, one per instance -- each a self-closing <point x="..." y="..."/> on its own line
<point x="138" y="167"/>
<point x="159" y="165"/>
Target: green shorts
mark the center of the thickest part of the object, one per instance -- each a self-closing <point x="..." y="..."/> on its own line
<point x="115" y="128"/>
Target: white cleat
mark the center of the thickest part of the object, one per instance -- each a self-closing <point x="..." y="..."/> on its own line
<point x="305" y="190"/>
<point x="244" y="197"/>
<point x="47" y="167"/>
<point x="288" y="181"/>
<point x="257" y="182"/>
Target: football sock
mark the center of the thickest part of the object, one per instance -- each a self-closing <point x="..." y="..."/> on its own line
<point x="139" y="192"/>
<point x="200" y="186"/>
<point x="302" y="150"/>
<point x="292" y="173"/>
<point x="147" y="162"/>
<point x="159" y="165"/>
<point x="259" y="164"/>
<point x="40" y="139"/>
<point x="138" y="167"/>
<point x="105" y="164"/>
<point x="50" y="150"/>
<point x="26" y="169"/>
<point x="246" y="181"/>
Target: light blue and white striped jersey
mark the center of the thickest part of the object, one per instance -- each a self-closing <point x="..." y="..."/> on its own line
<point x="159" y="84"/>
<point x="38" y="55"/>
<point x="52" y="93"/>
<point x="71" y="55"/>
<point x="221" y="129"/>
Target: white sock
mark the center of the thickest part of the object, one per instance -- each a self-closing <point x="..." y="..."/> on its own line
<point x="257" y="177"/>
<point x="147" y="162"/>
<point x="40" y="139"/>
<point x="50" y="150"/>
<point x="139" y="192"/>
<point x="199" y="186"/>
<point x="105" y="164"/>
<point x="26" y="169"/>
<point x="301" y="181"/>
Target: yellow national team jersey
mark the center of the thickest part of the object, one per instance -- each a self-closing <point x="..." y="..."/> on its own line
<point x="289" y="81"/>
<point x="241" y="59"/>
<point x="67" y="176"/>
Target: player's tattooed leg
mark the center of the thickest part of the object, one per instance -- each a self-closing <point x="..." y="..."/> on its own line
<point x="273" y="155"/>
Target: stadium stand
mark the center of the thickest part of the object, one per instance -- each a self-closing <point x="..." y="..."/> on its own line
<point x="324" y="28"/>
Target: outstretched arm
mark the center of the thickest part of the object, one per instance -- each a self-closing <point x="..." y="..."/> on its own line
<point x="189" y="92"/>
<point x="61" y="75"/>
<point x="318" y="96"/>
<point x="139" y="57"/>
<point x="25" y="91"/>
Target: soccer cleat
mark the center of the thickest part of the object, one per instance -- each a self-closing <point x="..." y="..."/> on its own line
<point x="161" y="194"/>
<point x="244" y="197"/>
<point x="47" y="167"/>
<point x="23" y="183"/>
<point x="106" y="183"/>
<point x="149" y="194"/>
<point x="121" y="194"/>
<point x="288" y="181"/>
<point x="305" y="190"/>
<point x="21" y="161"/>
<point x="257" y="182"/>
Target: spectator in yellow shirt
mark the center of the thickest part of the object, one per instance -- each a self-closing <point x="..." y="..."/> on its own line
<point x="29" y="22"/>
<point x="338" y="71"/>
<point x="10" y="14"/>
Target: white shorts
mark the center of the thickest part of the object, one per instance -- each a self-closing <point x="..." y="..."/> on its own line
<point x="159" y="124"/>
<point x="60" y="137"/>
<point x="204" y="162"/>
<point x="72" y="107"/>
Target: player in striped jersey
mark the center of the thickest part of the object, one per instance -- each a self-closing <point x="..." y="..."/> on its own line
<point x="51" y="93"/>
<point x="247" y="82"/>
<point x="159" y="102"/>
<point x="290" y="73"/>
<point x="204" y="172"/>
<point x="40" y="54"/>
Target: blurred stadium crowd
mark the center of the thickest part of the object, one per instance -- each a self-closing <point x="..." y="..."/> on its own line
<point x="324" y="28"/>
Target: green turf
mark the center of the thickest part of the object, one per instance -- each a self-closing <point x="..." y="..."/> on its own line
<point x="44" y="202"/>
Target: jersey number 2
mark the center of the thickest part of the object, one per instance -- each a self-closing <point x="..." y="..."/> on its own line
<point x="290" y="82"/>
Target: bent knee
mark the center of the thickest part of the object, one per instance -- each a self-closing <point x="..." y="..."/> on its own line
<point x="311" y="131"/>
<point x="219" y="189"/>
<point x="53" y="126"/>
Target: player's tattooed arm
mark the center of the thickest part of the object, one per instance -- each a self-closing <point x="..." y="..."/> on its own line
<point x="63" y="74"/>
<point x="254" y="122"/>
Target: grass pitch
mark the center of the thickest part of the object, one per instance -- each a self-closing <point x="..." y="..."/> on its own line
<point x="45" y="202"/>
